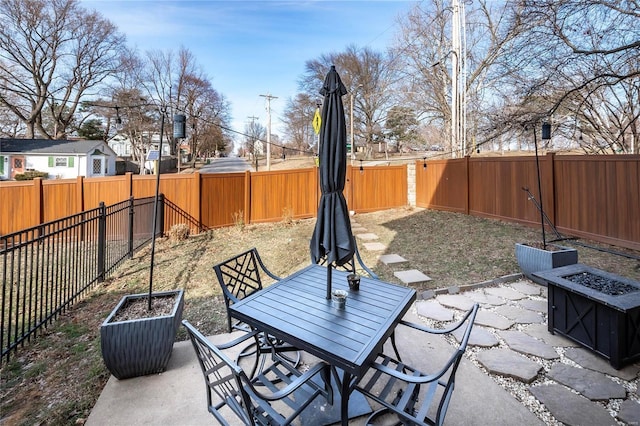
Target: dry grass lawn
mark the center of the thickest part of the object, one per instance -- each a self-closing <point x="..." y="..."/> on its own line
<point x="57" y="378"/>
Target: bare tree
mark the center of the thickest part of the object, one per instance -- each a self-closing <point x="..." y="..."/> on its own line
<point x="298" y="119"/>
<point x="52" y="53"/>
<point x="368" y="76"/>
<point x="255" y="138"/>
<point x="424" y="59"/>
<point x="209" y="114"/>
<point x="581" y="58"/>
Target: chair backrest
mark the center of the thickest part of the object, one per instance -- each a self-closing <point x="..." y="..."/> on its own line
<point x="223" y="379"/>
<point x="240" y="276"/>
<point x="351" y="266"/>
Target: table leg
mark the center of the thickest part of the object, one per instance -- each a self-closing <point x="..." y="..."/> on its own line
<point x="344" y="395"/>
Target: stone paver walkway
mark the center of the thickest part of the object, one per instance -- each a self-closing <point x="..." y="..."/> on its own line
<point x="559" y="381"/>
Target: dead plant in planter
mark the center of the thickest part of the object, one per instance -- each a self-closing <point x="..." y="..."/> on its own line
<point x="137" y="341"/>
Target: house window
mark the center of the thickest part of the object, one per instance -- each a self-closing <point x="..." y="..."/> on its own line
<point x="97" y="166"/>
<point x="61" y="162"/>
<point x="17" y="163"/>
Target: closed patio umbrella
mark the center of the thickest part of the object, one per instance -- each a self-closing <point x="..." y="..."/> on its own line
<point x="332" y="239"/>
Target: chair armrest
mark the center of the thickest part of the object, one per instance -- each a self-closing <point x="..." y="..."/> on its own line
<point x="295" y="384"/>
<point x="417" y="376"/>
<point x="245" y="336"/>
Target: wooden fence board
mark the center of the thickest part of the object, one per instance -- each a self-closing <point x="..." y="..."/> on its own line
<point x="277" y="194"/>
<point x="17" y="206"/>
<point x="60" y="199"/>
<point x="109" y="190"/>
<point x="377" y="188"/>
<point x="222" y="197"/>
<point x="443" y="185"/>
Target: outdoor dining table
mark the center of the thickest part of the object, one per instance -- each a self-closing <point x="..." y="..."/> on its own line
<point x="296" y="310"/>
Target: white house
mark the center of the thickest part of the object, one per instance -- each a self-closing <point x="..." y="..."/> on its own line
<point x="122" y="146"/>
<point x="62" y="159"/>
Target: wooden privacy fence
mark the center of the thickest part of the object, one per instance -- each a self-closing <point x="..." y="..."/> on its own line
<point x="596" y="197"/>
<point x="203" y="201"/>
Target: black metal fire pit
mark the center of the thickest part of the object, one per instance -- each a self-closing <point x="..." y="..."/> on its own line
<point x="597" y="309"/>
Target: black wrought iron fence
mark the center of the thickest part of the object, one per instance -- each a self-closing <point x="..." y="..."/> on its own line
<point x="47" y="268"/>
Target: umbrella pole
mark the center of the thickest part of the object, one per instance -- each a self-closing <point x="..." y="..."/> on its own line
<point x="329" y="281"/>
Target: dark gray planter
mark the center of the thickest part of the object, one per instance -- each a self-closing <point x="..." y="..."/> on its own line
<point x="532" y="259"/>
<point x="139" y="347"/>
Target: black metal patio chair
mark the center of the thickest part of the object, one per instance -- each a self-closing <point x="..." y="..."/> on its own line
<point x="413" y="396"/>
<point x="241" y="276"/>
<point x="275" y="396"/>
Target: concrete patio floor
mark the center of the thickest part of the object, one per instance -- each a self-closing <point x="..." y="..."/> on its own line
<point x="177" y="396"/>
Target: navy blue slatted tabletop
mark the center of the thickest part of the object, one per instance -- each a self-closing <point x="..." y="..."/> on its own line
<point x="295" y="309"/>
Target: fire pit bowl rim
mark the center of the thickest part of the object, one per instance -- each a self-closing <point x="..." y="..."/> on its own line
<point x="621" y="302"/>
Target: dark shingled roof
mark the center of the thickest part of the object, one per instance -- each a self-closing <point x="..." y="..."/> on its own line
<point x="47" y="146"/>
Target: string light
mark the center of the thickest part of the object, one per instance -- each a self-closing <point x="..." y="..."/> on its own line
<point x="361" y="169"/>
<point x="424" y="163"/>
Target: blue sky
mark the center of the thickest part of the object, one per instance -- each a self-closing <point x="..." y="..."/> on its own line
<point x="253" y="48"/>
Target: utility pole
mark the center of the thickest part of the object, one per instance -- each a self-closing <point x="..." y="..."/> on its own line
<point x="269" y="97"/>
<point x="459" y="79"/>
<point x="455" y="67"/>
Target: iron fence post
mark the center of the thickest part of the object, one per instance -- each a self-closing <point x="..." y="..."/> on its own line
<point x="131" y="213"/>
<point x="102" y="240"/>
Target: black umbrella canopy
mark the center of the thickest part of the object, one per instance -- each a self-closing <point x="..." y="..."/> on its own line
<point x="332" y="239"/>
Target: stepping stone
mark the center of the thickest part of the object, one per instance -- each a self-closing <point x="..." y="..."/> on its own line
<point x="505" y="293"/>
<point x="570" y="408"/>
<point x="456" y="301"/>
<point x="389" y="259"/>
<point x="540" y="331"/>
<point x="480" y="336"/>
<point x="358" y="230"/>
<point x="592" y="384"/>
<point x="629" y="411"/>
<point x="527" y="345"/>
<point x="367" y="237"/>
<point x="433" y="310"/>
<point x="412" y="276"/>
<point x="507" y="363"/>
<point x="534" y="305"/>
<point x="527" y="288"/>
<point x="485" y="299"/>
<point x="374" y="246"/>
<point x="586" y="359"/>
<point x="492" y="320"/>
<point x="426" y="295"/>
<point x="521" y="316"/>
